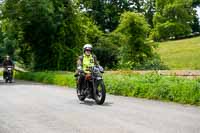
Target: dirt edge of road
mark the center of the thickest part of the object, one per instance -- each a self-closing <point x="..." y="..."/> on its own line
<point x="183" y="73"/>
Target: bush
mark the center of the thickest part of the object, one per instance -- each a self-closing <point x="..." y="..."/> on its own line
<point x="153" y="63"/>
<point x="106" y="53"/>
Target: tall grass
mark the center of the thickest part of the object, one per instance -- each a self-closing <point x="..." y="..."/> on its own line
<point x="151" y="86"/>
<point x="181" y="54"/>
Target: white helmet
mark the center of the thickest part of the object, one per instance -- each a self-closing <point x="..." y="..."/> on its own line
<point x="87" y="47"/>
<point x="7" y="57"/>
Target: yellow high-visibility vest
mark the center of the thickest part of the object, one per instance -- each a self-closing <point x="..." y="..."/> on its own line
<point x="88" y="61"/>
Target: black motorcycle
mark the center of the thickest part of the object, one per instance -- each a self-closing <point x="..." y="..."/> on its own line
<point x="8" y="76"/>
<point x="94" y="87"/>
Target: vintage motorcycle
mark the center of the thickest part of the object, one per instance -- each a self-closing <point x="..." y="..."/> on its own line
<point x="8" y="74"/>
<point x="94" y="87"/>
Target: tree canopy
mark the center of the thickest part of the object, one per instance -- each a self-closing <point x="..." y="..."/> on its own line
<point x="50" y="34"/>
<point x="51" y="31"/>
<point x="172" y="19"/>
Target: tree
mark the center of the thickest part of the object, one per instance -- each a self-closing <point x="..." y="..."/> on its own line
<point x="172" y="19"/>
<point x="134" y="50"/>
<point x="195" y="24"/>
<point x="52" y="31"/>
<point x="149" y="10"/>
<point x="195" y="3"/>
<point x="105" y="13"/>
<point x="8" y="42"/>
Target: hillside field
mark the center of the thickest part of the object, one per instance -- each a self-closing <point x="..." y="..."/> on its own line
<point x="181" y="54"/>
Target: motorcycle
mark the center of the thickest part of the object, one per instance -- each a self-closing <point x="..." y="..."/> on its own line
<point x="8" y="74"/>
<point x="94" y="87"/>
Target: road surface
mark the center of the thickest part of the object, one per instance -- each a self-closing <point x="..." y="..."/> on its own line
<point x="27" y="107"/>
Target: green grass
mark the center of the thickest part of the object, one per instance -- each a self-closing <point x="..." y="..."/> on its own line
<point x="57" y="78"/>
<point x="151" y="86"/>
<point x="181" y="54"/>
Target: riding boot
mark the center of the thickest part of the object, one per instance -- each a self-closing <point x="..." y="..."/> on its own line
<point x="78" y="85"/>
<point x="81" y="85"/>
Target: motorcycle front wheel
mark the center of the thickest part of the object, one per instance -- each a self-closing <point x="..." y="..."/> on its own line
<point x="100" y="92"/>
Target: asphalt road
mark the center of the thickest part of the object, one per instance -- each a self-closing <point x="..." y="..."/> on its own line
<point x="27" y="107"/>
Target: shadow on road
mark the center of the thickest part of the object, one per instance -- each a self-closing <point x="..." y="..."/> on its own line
<point x="92" y="103"/>
<point x="18" y="82"/>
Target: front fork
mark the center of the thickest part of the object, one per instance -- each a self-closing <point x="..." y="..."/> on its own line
<point x="94" y="88"/>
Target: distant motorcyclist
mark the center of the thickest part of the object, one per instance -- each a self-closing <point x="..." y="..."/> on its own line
<point x="84" y="63"/>
<point x="7" y="62"/>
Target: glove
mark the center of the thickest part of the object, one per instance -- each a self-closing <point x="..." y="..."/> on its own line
<point x="101" y="69"/>
<point x="79" y="68"/>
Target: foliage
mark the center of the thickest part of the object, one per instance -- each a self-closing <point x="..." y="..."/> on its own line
<point x="107" y="57"/>
<point x="106" y="13"/>
<point x="151" y="86"/>
<point x="107" y="51"/>
<point x="172" y="19"/>
<point x="153" y="63"/>
<point x="196" y="3"/>
<point x="134" y="49"/>
<point x="50" y="34"/>
<point x="195" y="24"/>
<point x="149" y="11"/>
<point x="8" y="42"/>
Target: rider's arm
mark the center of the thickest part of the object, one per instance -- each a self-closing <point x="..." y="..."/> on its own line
<point x="95" y="60"/>
<point x="4" y="63"/>
<point x="79" y="64"/>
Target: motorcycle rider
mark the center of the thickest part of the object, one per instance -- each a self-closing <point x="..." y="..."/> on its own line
<point x="7" y="62"/>
<point x="84" y="63"/>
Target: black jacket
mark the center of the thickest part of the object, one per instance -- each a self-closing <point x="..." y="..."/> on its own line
<point x="7" y="63"/>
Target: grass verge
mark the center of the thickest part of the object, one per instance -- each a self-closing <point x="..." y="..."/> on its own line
<point x="151" y="86"/>
<point x="57" y="78"/>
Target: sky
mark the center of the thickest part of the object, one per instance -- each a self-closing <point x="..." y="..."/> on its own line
<point x="198" y="12"/>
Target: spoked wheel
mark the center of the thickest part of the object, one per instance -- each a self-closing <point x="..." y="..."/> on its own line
<point x="100" y="92"/>
<point x="80" y="97"/>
